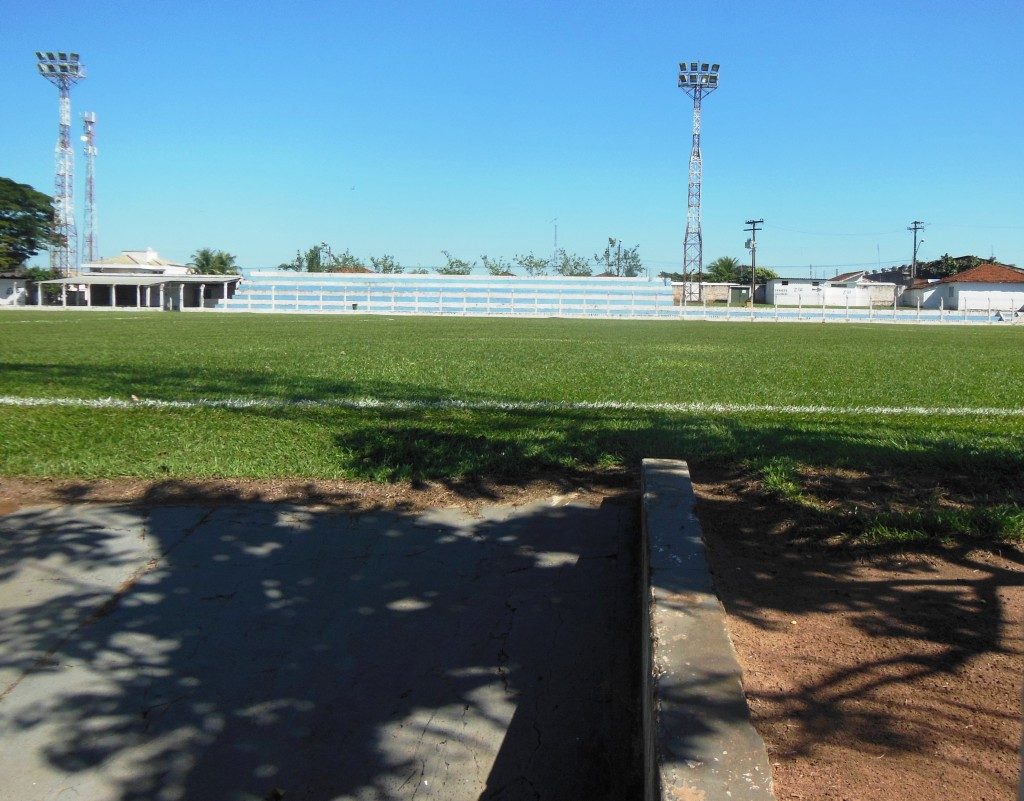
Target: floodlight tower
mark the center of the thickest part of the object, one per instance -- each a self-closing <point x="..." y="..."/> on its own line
<point x="63" y="70"/>
<point x="697" y="80"/>
<point x="91" y="250"/>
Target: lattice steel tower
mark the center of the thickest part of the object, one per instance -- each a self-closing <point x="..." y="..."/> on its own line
<point x="91" y="251"/>
<point x="697" y="80"/>
<point x="63" y="70"/>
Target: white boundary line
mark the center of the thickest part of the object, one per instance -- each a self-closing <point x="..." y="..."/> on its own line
<point x="389" y="404"/>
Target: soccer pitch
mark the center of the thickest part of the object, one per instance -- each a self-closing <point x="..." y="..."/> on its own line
<point x="89" y="394"/>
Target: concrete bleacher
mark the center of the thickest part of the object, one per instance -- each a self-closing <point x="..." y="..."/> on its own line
<point x="366" y="293"/>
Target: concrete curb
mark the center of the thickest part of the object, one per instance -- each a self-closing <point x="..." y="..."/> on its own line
<point x="698" y="743"/>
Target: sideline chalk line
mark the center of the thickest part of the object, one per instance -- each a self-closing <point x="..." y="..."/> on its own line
<point x="390" y="404"/>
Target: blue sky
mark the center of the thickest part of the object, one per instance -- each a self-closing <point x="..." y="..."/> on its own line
<point x="411" y="127"/>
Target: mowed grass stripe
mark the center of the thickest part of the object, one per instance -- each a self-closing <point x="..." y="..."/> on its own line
<point x="446" y="398"/>
<point x="197" y="356"/>
<point x="388" y="404"/>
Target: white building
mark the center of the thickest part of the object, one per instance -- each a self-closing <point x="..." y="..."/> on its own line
<point x="925" y="293"/>
<point x="987" y="286"/>
<point x="141" y="279"/>
<point x="135" y="262"/>
<point x="849" y="289"/>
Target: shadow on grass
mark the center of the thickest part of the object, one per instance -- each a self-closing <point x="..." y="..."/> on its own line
<point x="257" y="651"/>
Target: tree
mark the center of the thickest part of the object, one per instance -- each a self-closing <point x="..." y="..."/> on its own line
<point x="345" y="263"/>
<point x="763" y="274"/>
<point x="385" y="264"/>
<point x="570" y="264"/>
<point x="419" y="271"/>
<point x="455" y="266"/>
<point x="724" y="270"/>
<point x="26" y="223"/>
<point x="321" y="259"/>
<point x="531" y="265"/>
<point x="617" y="261"/>
<point x="207" y="261"/>
<point x="496" y="266"/>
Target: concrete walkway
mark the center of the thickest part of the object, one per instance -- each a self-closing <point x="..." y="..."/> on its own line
<point x="276" y="652"/>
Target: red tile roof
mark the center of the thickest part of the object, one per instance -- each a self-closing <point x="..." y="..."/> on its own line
<point x="987" y="273"/>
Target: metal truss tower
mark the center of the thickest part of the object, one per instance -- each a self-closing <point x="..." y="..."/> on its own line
<point x="63" y="70"/>
<point x="91" y="251"/>
<point x="697" y="80"/>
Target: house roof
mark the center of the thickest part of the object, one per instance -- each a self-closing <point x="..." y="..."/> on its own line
<point x="987" y="273"/>
<point x="149" y="258"/>
<point x="99" y="279"/>
<point x="850" y="276"/>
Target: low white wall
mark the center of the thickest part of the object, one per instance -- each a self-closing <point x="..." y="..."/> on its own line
<point x="806" y="293"/>
<point x="928" y="297"/>
<point x="980" y="297"/>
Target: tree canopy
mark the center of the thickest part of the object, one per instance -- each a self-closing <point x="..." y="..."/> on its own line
<point x="531" y="265"/>
<point x="386" y="264"/>
<point x="729" y="270"/>
<point x="207" y="261"/>
<point x="26" y="223"/>
<point x="455" y="266"/>
<point x="569" y="264"/>
<point x="724" y="269"/>
<point x="618" y="261"/>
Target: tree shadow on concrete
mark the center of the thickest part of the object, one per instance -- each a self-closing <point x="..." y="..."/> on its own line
<point x="258" y="651"/>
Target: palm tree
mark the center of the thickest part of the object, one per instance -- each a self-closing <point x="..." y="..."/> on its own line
<point x="207" y="261"/>
<point x="724" y="270"/>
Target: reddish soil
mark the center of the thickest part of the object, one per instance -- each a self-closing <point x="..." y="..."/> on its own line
<point x="354" y="495"/>
<point x="871" y="675"/>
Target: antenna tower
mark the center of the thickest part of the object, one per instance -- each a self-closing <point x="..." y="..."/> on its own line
<point x="91" y="250"/>
<point x="63" y="70"/>
<point x="697" y="80"/>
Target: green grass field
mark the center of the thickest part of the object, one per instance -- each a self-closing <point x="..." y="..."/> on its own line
<point x="307" y="358"/>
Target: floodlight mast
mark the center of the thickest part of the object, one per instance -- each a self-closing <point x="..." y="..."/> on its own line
<point x="697" y="79"/>
<point x="63" y="70"/>
<point x="90" y="252"/>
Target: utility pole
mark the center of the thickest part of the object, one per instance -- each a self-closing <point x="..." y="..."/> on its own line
<point x="554" y="253"/>
<point x="752" y="246"/>
<point x="915" y="226"/>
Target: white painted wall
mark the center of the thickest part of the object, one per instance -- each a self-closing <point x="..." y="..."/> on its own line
<point x="814" y="292"/>
<point x="928" y="297"/>
<point x="12" y="292"/>
<point x="980" y="297"/>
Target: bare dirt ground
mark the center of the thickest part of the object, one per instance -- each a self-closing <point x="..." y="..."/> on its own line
<point x="317" y="493"/>
<point x="871" y="676"/>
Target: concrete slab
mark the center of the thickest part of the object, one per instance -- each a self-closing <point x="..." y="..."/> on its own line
<point x="272" y="651"/>
<point x="699" y="743"/>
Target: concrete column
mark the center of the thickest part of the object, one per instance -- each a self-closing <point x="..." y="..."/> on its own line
<point x="181" y="296"/>
<point x="64" y="295"/>
<point x="88" y="295"/>
<point x="202" y="296"/>
<point x="161" y="297"/>
<point x="39" y="294"/>
<point x="138" y="296"/>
